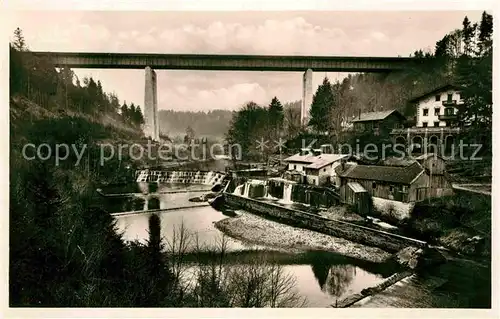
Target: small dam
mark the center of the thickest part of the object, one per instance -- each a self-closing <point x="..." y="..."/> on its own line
<point x="180" y="177"/>
<point x="285" y="192"/>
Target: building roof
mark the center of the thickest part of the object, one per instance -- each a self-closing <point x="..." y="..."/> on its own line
<point x="325" y="159"/>
<point x="356" y="187"/>
<point x="428" y="155"/>
<point x="342" y="169"/>
<point x="300" y="158"/>
<point x="395" y="161"/>
<point x="374" y="116"/>
<point x="391" y="174"/>
<point x="438" y="89"/>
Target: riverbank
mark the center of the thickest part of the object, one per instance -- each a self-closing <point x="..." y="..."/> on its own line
<point x="261" y="231"/>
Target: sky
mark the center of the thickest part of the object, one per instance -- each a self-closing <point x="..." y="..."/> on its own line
<point x="375" y="33"/>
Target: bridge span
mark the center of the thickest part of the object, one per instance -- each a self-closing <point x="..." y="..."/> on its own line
<point x="226" y="62"/>
<point x="151" y="61"/>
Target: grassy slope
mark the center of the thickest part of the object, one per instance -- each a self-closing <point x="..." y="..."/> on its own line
<point x="23" y="109"/>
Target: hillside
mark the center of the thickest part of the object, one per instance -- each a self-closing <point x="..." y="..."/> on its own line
<point x="214" y="123"/>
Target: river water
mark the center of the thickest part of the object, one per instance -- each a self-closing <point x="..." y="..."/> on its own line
<point x="322" y="278"/>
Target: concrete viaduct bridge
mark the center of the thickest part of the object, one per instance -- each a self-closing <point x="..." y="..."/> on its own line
<point x="150" y="62"/>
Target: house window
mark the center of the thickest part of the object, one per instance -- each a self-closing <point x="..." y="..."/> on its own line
<point x="374" y="185"/>
<point x="293" y="167"/>
<point x="437" y="111"/>
<point x="460" y="96"/>
<point x="424" y="124"/>
<point x="404" y="189"/>
<point x="438" y="97"/>
<point x="426" y="112"/>
<point x="391" y="188"/>
<point x="450" y="96"/>
<point x="324" y="169"/>
<point x="375" y="125"/>
<point x="436" y="124"/>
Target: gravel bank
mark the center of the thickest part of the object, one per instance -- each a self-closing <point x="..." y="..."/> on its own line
<point x="261" y="231"/>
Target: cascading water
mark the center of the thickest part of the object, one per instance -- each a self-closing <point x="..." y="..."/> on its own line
<point x="188" y="177"/>
<point x="247" y="189"/>
<point x="143" y="176"/>
<point x="143" y="187"/>
<point x="239" y="190"/>
<point x="208" y="178"/>
<point x="287" y="194"/>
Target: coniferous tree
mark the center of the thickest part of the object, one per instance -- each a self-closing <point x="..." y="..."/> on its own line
<point x="276" y="113"/>
<point x="124" y="111"/>
<point x="19" y="42"/>
<point x="139" y="118"/>
<point x="485" y="40"/>
<point x="321" y="106"/>
<point x="474" y="76"/>
<point x="468" y="32"/>
<point x="276" y="118"/>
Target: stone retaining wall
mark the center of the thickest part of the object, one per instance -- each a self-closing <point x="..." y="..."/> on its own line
<point x="352" y="299"/>
<point x="356" y="233"/>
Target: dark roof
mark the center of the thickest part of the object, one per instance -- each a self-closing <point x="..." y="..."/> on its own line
<point x="341" y="169"/>
<point x="375" y="116"/>
<point x="425" y="156"/>
<point x="438" y="89"/>
<point x="392" y="174"/>
<point x="396" y="161"/>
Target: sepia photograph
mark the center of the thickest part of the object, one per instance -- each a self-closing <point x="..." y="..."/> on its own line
<point x="250" y="159"/>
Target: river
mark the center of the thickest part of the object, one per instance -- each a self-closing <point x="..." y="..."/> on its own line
<point x="321" y="277"/>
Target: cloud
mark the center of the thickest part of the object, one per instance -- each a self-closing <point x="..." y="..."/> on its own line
<point x="377" y="35"/>
<point x="288" y="36"/>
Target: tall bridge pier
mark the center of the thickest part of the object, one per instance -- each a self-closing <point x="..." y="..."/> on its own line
<point x="151" y="125"/>
<point x="307" y="97"/>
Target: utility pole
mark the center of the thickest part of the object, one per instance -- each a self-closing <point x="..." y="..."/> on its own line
<point x="430" y="184"/>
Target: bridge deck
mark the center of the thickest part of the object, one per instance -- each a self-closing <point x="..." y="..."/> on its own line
<point x="225" y="62"/>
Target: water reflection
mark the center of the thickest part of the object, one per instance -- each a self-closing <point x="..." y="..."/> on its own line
<point x="333" y="279"/>
<point x="153" y="203"/>
<point x="339" y="279"/>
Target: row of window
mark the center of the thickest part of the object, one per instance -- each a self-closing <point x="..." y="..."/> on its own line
<point x="450" y="96"/>
<point x="425" y="124"/>
<point x="295" y="167"/>
<point x="392" y="188"/>
<point x="437" y="111"/>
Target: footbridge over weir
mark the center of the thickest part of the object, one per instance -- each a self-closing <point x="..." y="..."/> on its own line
<point x="149" y="62"/>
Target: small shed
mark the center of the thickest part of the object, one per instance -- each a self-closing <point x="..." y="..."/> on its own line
<point x="357" y="195"/>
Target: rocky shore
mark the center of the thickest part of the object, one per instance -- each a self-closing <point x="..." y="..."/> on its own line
<point x="261" y="231"/>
